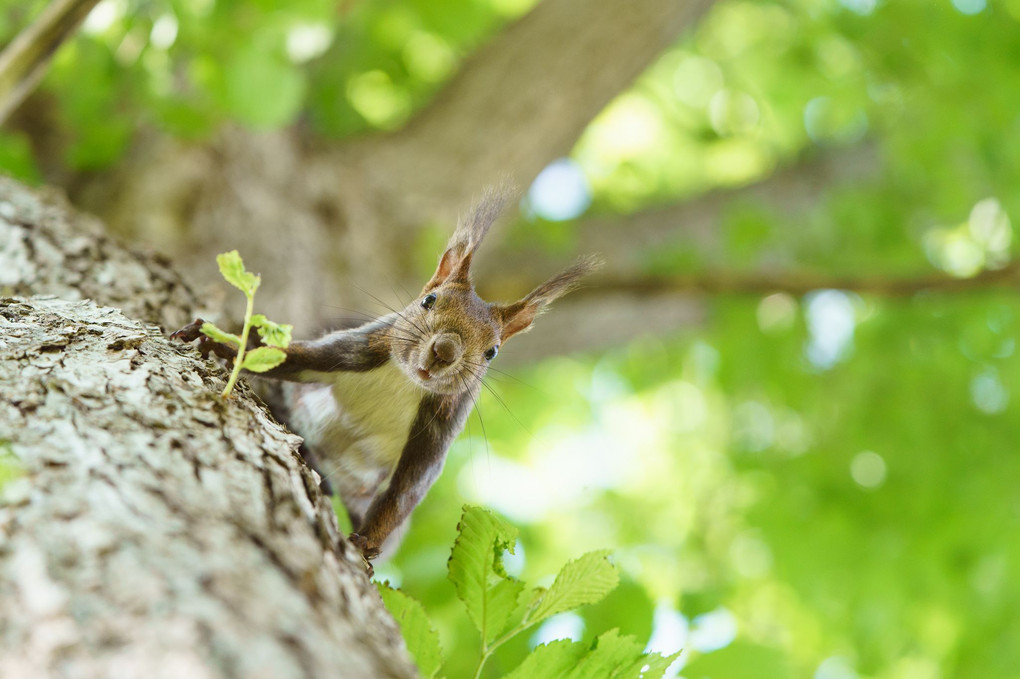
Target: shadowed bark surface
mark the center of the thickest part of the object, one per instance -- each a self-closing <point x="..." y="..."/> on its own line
<point x="153" y="529"/>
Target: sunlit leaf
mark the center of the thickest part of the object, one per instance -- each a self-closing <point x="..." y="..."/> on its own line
<point x="272" y="334"/>
<point x="585" y="580"/>
<point x="421" y="639"/>
<point x="475" y="569"/>
<point x="262" y="359"/>
<point x="210" y="330"/>
<point x="550" y="661"/>
<point x="232" y="269"/>
<point x="610" y="656"/>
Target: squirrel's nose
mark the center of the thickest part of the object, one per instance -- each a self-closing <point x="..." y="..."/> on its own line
<point x="447" y="348"/>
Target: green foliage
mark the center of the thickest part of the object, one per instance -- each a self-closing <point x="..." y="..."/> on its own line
<point x="261" y="88"/>
<point x="495" y="605"/>
<point x="16" y="157"/>
<point x="583" y="581"/>
<point x="261" y="359"/>
<point x="422" y="640"/>
<point x="477" y="554"/>
<point x="210" y="330"/>
<point x="277" y="336"/>
<point x="611" y="655"/>
<point x="188" y="66"/>
<point x="233" y="271"/>
<point x="272" y="334"/>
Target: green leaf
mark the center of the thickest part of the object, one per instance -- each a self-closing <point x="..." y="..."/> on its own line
<point x="585" y="580"/>
<point x="613" y="655"/>
<point x="232" y="268"/>
<point x="421" y="638"/>
<point x="476" y="570"/>
<point x="657" y="664"/>
<point x="503" y="599"/>
<point x="210" y="330"/>
<point x="550" y="661"/>
<point x="272" y="334"/>
<point x="262" y="359"/>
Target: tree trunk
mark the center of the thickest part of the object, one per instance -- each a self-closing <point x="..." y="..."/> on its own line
<point x="153" y="529"/>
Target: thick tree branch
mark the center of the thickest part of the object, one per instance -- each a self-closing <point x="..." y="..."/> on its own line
<point x="613" y="310"/>
<point x="525" y="97"/>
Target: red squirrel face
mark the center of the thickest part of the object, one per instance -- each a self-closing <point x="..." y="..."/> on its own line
<point x="444" y="339"/>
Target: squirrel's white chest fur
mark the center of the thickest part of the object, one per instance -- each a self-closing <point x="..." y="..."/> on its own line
<point x="358" y="423"/>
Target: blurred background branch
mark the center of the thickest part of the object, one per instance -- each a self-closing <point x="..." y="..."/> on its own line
<point x="23" y="62"/>
<point x="729" y="283"/>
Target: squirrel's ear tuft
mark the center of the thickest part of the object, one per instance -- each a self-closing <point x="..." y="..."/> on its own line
<point x="518" y="317"/>
<point x="471" y="229"/>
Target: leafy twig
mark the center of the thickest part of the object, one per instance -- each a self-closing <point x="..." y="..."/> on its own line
<point x="275" y="336"/>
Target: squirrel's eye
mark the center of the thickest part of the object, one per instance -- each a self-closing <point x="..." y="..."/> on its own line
<point x="491" y="353"/>
<point x="429" y="301"/>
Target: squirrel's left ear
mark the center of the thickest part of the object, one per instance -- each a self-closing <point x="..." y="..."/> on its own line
<point x="518" y="317"/>
<point x="455" y="264"/>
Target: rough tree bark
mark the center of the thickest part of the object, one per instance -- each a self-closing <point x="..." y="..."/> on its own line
<point x="154" y="530"/>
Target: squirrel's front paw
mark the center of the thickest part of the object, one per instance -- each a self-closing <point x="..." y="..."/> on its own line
<point x="189" y="333"/>
<point x="369" y="549"/>
<point x="206" y="345"/>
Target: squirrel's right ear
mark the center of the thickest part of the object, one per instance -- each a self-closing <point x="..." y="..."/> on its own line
<point x="455" y="264"/>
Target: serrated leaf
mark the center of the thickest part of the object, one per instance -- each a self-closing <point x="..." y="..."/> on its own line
<point x="421" y="638"/>
<point x="262" y="359"/>
<point x="210" y="330"/>
<point x="611" y="656"/>
<point x="232" y="268"/>
<point x="617" y="657"/>
<point x="585" y="580"/>
<point x="272" y="334"/>
<point x="550" y="661"/>
<point x="476" y="570"/>
<point x="657" y="664"/>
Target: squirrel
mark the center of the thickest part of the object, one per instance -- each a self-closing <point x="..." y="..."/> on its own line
<point x="381" y="403"/>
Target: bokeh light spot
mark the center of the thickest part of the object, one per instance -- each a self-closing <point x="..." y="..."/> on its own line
<point x="777" y="312"/>
<point x="696" y="79"/>
<point x="988" y="393"/>
<point x="307" y="41"/>
<point x="560" y="191"/>
<point x="835" y="667"/>
<point x="969" y="7"/>
<point x="714" y="630"/>
<point x="164" y="32"/>
<point x="830" y="320"/>
<point x="868" y="469"/>
<point x="562" y="626"/>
